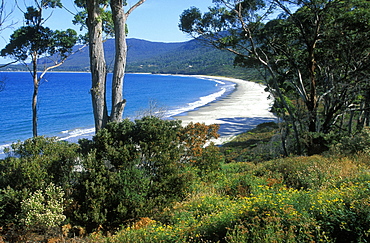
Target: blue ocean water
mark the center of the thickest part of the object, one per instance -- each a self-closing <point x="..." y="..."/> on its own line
<point x="64" y="104"/>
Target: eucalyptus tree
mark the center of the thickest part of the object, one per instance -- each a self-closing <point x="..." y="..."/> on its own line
<point x="106" y="16"/>
<point x="315" y="55"/>
<point x="33" y="41"/>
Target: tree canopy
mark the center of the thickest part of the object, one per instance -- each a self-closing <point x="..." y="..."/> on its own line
<point x="314" y="54"/>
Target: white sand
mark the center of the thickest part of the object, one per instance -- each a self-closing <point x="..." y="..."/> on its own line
<point x="240" y="111"/>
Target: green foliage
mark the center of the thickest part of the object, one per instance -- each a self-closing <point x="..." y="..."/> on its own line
<point x="357" y="143"/>
<point x="43" y="209"/>
<point x="210" y="160"/>
<point x="311" y="172"/>
<point x="37" y="162"/>
<point x="185" y="194"/>
<point x="107" y="198"/>
<point x="312" y="80"/>
<point x="33" y="165"/>
<point x="258" y="144"/>
<point x="135" y="167"/>
<point x="27" y="40"/>
<point x="10" y="204"/>
<point x="263" y="208"/>
<point x="105" y="16"/>
<point x="35" y="40"/>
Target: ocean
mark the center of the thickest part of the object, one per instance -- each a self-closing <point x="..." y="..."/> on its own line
<point x="64" y="101"/>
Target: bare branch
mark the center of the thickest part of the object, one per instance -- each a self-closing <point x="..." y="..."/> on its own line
<point x="134" y="7"/>
<point x="10" y="63"/>
<point x="4" y="16"/>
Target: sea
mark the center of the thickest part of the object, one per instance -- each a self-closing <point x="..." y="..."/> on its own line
<point x="65" y="109"/>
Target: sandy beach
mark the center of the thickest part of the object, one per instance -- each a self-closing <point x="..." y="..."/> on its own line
<point x="236" y="113"/>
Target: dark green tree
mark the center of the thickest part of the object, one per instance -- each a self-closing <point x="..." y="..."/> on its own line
<point x="314" y="54"/>
<point x="34" y="40"/>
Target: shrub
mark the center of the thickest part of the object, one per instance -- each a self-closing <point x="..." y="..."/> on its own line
<point x="136" y="167"/>
<point x="210" y="160"/>
<point x="105" y="198"/>
<point x="357" y="143"/>
<point x="309" y="172"/>
<point x="194" y="138"/>
<point x="10" y="205"/>
<point x="258" y="144"/>
<point x="44" y="209"/>
<point x="33" y="165"/>
<point x="37" y="162"/>
<point x="250" y="203"/>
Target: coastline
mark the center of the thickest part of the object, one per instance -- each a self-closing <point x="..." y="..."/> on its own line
<point x="243" y="109"/>
<point x="236" y="111"/>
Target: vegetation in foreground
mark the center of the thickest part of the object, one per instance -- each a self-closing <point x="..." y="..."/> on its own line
<point x="154" y="181"/>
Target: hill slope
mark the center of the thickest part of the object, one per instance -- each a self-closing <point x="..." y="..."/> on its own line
<point x="191" y="57"/>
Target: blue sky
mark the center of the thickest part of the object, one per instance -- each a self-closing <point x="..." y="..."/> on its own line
<point x="155" y="20"/>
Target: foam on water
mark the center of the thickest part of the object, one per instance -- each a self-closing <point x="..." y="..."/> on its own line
<point x="199" y="103"/>
<point x="78" y="133"/>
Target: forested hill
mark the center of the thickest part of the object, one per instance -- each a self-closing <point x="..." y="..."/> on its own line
<point x="191" y="57"/>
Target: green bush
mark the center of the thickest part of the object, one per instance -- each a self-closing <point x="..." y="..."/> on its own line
<point x="33" y="165"/>
<point x="10" y="205"/>
<point x="251" y="203"/>
<point x="357" y="143"/>
<point x="134" y="169"/>
<point x="311" y="172"/>
<point x="37" y="162"/>
<point x="107" y="198"/>
<point x="43" y="209"/>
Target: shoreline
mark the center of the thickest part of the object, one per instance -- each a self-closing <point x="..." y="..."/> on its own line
<point x="243" y="109"/>
<point x="236" y="112"/>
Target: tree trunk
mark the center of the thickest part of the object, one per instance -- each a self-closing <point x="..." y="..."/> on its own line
<point x="119" y="20"/>
<point x="34" y="96"/>
<point x="97" y="65"/>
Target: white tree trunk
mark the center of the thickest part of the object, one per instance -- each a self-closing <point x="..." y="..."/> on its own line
<point x="97" y="64"/>
<point x="119" y="21"/>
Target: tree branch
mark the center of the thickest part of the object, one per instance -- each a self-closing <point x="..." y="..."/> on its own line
<point x="10" y="63"/>
<point x="134" y="7"/>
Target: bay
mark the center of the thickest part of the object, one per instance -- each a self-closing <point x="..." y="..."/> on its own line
<point x="65" y="108"/>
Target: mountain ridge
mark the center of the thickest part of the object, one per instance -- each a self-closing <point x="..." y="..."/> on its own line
<point x="143" y="56"/>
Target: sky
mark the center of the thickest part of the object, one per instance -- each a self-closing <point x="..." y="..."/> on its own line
<point x="154" y="20"/>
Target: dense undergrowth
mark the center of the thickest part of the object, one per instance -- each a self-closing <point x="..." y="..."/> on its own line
<point x="241" y="192"/>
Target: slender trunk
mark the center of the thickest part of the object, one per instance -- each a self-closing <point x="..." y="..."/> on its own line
<point x="34" y="110"/>
<point x="34" y="96"/>
<point x="366" y="118"/>
<point x="119" y="20"/>
<point x="97" y="65"/>
<point x="312" y="101"/>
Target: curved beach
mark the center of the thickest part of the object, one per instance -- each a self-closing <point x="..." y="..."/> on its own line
<point x="242" y="110"/>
